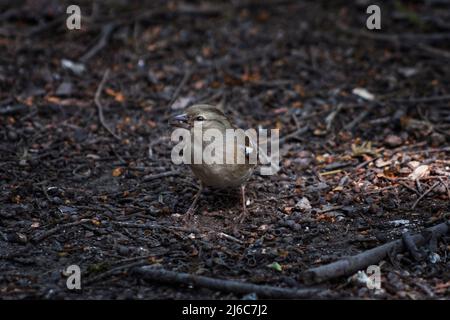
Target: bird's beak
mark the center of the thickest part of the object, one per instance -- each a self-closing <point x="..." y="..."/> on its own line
<point x="180" y="121"/>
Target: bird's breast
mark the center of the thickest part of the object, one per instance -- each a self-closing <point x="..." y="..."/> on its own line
<point x="222" y="175"/>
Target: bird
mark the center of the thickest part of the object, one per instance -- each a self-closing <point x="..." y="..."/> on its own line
<point x="219" y="176"/>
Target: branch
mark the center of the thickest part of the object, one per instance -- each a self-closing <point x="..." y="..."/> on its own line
<point x="350" y="265"/>
<point x="100" y="106"/>
<point x="151" y="273"/>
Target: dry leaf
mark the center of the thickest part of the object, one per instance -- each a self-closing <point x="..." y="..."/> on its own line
<point x="117" y="172"/>
<point x="118" y="96"/>
<point x="419" y="172"/>
<point x="380" y="163"/>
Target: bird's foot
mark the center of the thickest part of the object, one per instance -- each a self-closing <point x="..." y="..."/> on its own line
<point x="241" y="218"/>
<point x="238" y="221"/>
<point x="189" y="216"/>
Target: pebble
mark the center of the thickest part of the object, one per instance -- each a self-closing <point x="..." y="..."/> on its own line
<point x="393" y="141"/>
<point x="303" y="204"/>
<point x="12" y="135"/>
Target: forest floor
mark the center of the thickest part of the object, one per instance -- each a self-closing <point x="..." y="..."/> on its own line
<point x="364" y="120"/>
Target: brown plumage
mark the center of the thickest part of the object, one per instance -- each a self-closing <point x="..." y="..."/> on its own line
<point x="221" y="176"/>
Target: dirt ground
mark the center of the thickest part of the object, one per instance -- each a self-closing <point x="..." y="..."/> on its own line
<point x="364" y="120"/>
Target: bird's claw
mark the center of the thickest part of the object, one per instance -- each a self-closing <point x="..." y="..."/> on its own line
<point x="187" y="217"/>
<point x="241" y="218"/>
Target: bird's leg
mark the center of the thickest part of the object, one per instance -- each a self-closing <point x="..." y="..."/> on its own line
<point x="188" y="215"/>
<point x="243" y="215"/>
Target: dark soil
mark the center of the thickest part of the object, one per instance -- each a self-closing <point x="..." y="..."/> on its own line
<point x="289" y="65"/>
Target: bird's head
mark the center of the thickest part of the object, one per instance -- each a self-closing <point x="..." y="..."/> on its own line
<point x="209" y="116"/>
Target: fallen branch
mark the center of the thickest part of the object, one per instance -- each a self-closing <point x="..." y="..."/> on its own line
<point x="350" y="265"/>
<point x="150" y="273"/>
<point x="100" y="106"/>
<point x="410" y="245"/>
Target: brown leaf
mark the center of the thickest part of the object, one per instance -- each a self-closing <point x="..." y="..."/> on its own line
<point x="117" y="172"/>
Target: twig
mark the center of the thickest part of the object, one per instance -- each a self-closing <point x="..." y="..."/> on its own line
<point x="152" y="226"/>
<point x="361" y="261"/>
<point x="400" y="38"/>
<point x="153" y="143"/>
<point x="408" y="187"/>
<point x="446" y="187"/>
<point x="294" y="134"/>
<point x="113" y="271"/>
<point x="435" y="51"/>
<point x="45" y="27"/>
<point x="423" y="99"/>
<point x="357" y="120"/>
<point x="330" y="118"/>
<point x="425" y="193"/>
<point x="183" y="82"/>
<point x="152" y="177"/>
<point x="432" y="150"/>
<point x="44" y="235"/>
<point x="227" y="236"/>
<point x="150" y="273"/>
<point x="99" y="105"/>
<point x="406" y="39"/>
<point x="106" y="32"/>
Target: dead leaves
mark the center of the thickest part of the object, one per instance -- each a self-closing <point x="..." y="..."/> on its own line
<point x="364" y="149"/>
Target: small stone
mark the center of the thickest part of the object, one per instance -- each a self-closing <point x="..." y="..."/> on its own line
<point x="303" y="204"/>
<point x="413" y="164"/>
<point x="419" y="172"/>
<point x="380" y="163"/>
<point x="434" y="258"/>
<point x="67" y="210"/>
<point x="393" y="141"/>
<point x="400" y="222"/>
<point x="407" y="72"/>
<point x="64" y="89"/>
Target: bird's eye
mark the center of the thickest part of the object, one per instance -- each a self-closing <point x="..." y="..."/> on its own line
<point x="199" y="118"/>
